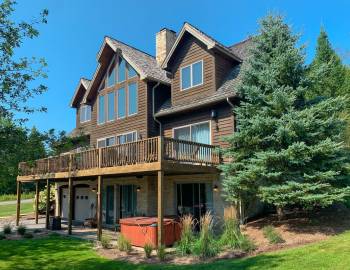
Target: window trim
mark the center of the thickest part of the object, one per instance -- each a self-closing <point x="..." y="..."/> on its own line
<point x="193" y="124"/>
<point x="191" y="79"/>
<point x="103" y="139"/>
<point x="80" y="109"/>
<point x="126" y="133"/>
<point x="137" y="99"/>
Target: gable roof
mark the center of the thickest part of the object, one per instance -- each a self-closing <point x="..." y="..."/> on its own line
<point x="210" y="42"/>
<point x="80" y="91"/>
<point x="242" y="48"/>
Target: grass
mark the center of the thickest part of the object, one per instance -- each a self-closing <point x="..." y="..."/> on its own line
<point x="13" y="197"/>
<point x="57" y="252"/>
<point x="10" y="210"/>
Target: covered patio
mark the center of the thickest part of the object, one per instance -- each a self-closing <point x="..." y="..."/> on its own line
<point x="156" y="157"/>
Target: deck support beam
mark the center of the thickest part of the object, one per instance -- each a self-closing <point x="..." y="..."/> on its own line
<point x="36" y="202"/>
<point x="18" y="212"/>
<point x="160" y="208"/>
<point x="47" y="214"/>
<point x="99" y="207"/>
<point x="70" y="204"/>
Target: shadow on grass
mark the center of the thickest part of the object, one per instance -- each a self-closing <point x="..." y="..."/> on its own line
<point x="56" y="252"/>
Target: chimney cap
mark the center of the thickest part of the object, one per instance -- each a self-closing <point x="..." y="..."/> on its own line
<point x="167" y="29"/>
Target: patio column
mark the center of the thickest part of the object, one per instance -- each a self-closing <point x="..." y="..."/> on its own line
<point x="47" y="204"/>
<point x="36" y="202"/>
<point x="70" y="204"/>
<point x="160" y="208"/>
<point x="99" y="207"/>
<point x="18" y="213"/>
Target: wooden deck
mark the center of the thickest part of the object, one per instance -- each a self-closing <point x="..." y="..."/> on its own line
<point x="150" y="155"/>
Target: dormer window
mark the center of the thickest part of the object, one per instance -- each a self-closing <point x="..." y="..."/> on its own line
<point x="191" y="75"/>
<point x="85" y="113"/>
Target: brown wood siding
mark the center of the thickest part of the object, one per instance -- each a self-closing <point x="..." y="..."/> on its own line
<point x="137" y="122"/>
<point x="191" y="50"/>
<point x="222" y="67"/>
<point x="221" y="127"/>
<point x="86" y="127"/>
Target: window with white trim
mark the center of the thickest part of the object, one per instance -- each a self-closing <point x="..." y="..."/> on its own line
<point x="192" y="75"/>
<point x="85" y="113"/>
<point x="104" y="142"/>
<point x="127" y="137"/>
<point x="199" y="132"/>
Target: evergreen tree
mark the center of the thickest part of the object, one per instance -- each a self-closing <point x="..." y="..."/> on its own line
<point x="333" y="73"/>
<point x="286" y="151"/>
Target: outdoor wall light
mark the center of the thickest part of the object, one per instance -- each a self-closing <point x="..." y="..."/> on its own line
<point x="93" y="189"/>
<point x="215" y="188"/>
<point x="138" y="189"/>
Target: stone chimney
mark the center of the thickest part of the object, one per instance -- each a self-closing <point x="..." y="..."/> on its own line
<point x="165" y="39"/>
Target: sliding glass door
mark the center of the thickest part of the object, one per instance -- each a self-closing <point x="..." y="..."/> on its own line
<point x="128" y="201"/>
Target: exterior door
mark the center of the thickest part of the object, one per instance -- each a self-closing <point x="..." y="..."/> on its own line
<point x="128" y="200"/>
<point x="64" y="203"/>
<point x="84" y="203"/>
<point x="110" y="205"/>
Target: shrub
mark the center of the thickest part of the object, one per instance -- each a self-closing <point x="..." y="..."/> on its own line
<point x="206" y="246"/>
<point x="105" y="241"/>
<point x="37" y="231"/>
<point x="185" y="245"/>
<point x="21" y="230"/>
<point x="28" y="235"/>
<point x="7" y="229"/>
<point x="2" y="236"/>
<point x="161" y="253"/>
<point x="124" y="244"/>
<point x="148" y="248"/>
<point x="232" y="236"/>
<point x="272" y="235"/>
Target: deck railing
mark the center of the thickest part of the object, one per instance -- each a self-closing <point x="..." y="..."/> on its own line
<point x="139" y="152"/>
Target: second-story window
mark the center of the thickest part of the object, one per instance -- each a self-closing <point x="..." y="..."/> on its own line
<point x="111" y="75"/>
<point x="121" y="70"/>
<point x="132" y="98"/>
<point x="192" y="75"/>
<point x="127" y="137"/>
<point x="101" y="110"/>
<point x="109" y="141"/>
<point x="85" y="113"/>
<point x="111" y="106"/>
<point x="121" y="103"/>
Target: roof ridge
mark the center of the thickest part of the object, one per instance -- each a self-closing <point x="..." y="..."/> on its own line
<point x="132" y="47"/>
<point x="241" y="42"/>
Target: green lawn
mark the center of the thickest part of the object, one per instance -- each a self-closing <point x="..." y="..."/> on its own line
<point x="57" y="252"/>
<point x="9" y="210"/>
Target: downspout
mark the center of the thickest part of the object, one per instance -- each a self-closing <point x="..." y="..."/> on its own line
<point x="241" y="218"/>
<point x="153" y="107"/>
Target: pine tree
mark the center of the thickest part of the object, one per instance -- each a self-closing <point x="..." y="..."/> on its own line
<point x="286" y="151"/>
<point x="331" y="80"/>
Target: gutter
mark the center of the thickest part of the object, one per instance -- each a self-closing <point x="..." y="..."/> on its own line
<point x="229" y="102"/>
<point x="153" y="109"/>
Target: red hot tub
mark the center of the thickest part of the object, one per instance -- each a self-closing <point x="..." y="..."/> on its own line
<point x="143" y="230"/>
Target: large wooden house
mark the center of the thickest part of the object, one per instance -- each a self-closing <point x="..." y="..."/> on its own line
<point x="154" y="125"/>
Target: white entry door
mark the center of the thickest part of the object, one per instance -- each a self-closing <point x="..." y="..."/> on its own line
<point x="64" y="203"/>
<point x="85" y="204"/>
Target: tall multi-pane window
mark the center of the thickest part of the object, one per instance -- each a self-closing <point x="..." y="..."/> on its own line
<point x="132" y="98"/>
<point x="131" y="71"/>
<point x="121" y="103"/>
<point x="101" y="109"/>
<point x="121" y="70"/>
<point x="85" y="113"/>
<point x="111" y="107"/>
<point x="192" y="75"/>
<point x="111" y="75"/>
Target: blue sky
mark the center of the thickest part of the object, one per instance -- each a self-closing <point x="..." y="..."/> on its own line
<point x="75" y="31"/>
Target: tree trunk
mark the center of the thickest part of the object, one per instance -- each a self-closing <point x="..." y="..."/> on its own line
<point x="280" y="213"/>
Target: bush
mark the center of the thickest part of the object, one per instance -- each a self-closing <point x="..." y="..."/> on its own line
<point x="232" y="236"/>
<point x="28" y="235"/>
<point x="206" y="246"/>
<point x="21" y="230"/>
<point x="42" y="199"/>
<point x="124" y="244"/>
<point x="185" y="245"/>
<point x="2" y="236"/>
<point x="37" y="231"/>
<point x="272" y="235"/>
<point x="148" y="248"/>
<point x="7" y="229"/>
<point x="161" y="253"/>
<point x="105" y="241"/>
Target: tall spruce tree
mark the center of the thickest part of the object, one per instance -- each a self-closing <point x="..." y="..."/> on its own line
<point x="286" y="150"/>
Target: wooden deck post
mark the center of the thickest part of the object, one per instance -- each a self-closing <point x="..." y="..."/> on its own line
<point x="18" y="213"/>
<point x="70" y="204"/>
<point x="99" y="207"/>
<point x="36" y="202"/>
<point x="47" y="204"/>
<point x="160" y="208"/>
